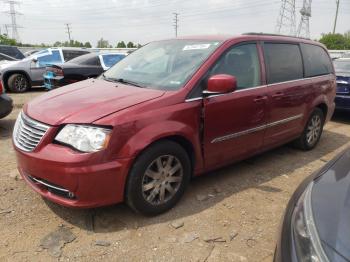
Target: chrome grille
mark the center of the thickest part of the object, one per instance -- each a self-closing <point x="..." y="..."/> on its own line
<point x="28" y="133"/>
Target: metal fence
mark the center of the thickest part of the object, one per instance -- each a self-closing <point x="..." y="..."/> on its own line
<point x="117" y="50"/>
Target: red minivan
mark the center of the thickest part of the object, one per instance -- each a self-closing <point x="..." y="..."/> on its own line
<point x="172" y="110"/>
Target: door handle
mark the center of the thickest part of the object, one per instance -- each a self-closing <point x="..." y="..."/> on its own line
<point x="278" y="95"/>
<point x="259" y="99"/>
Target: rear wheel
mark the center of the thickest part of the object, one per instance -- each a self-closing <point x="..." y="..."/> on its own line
<point x="312" y="132"/>
<point x="18" y="83"/>
<point x="158" y="178"/>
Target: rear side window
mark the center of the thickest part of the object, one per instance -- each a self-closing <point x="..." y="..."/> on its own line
<point x="283" y="62"/>
<point x="316" y="61"/>
<point x="111" y="59"/>
<point x="70" y="54"/>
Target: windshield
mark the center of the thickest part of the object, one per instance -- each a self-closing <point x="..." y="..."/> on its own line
<point x="342" y="66"/>
<point x="164" y="65"/>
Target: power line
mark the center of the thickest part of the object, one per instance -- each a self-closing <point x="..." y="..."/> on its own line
<point x="176" y="23"/>
<point x="336" y="16"/>
<point x="304" y="25"/>
<point x="68" y="32"/>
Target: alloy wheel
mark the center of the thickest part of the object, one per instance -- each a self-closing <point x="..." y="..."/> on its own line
<point x="314" y="130"/>
<point x="20" y="83"/>
<point x="162" y="179"/>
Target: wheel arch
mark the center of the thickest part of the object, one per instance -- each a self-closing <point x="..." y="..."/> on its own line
<point x="7" y="75"/>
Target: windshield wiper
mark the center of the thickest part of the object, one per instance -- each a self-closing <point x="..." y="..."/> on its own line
<point x="128" y="82"/>
<point x="107" y="78"/>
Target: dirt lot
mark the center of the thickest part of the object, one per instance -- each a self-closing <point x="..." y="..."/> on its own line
<point x="240" y="206"/>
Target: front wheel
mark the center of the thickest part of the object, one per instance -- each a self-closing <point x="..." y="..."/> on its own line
<point x="18" y="83"/>
<point x="158" y="178"/>
<point x="312" y="132"/>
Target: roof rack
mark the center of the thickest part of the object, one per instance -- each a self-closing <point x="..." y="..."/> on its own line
<point x="268" y="34"/>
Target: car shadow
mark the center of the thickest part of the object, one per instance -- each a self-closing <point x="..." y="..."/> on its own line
<point x="218" y="185"/>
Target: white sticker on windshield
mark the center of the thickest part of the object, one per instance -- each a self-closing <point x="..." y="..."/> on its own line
<point x="196" y="47"/>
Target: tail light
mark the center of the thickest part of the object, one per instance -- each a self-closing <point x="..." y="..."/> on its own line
<point x="55" y="71"/>
<point x="1" y="87"/>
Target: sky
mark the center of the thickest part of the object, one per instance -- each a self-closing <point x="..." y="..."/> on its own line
<point x="142" y="21"/>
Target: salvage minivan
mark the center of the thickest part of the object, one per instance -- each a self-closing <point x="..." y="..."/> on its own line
<point x="169" y="111"/>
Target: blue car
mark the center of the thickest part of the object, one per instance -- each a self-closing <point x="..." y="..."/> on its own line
<point x="342" y="70"/>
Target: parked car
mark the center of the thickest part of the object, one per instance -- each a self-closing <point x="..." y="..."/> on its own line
<point x="7" y="57"/>
<point x="19" y="76"/>
<point x="171" y="110"/>
<point x="6" y="103"/>
<point x="342" y="70"/>
<point x="80" y="68"/>
<point x="11" y="51"/>
<point x="316" y="222"/>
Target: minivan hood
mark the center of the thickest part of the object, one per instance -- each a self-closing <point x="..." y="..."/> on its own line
<point x="86" y="101"/>
<point x="331" y="208"/>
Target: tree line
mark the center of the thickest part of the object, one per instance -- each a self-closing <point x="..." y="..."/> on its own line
<point x="331" y="41"/>
<point x="102" y="43"/>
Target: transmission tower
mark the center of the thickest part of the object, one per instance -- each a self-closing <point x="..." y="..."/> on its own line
<point x="305" y="11"/>
<point x="286" y="19"/>
<point x="13" y="13"/>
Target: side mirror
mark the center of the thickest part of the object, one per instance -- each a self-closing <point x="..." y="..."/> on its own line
<point x="221" y="84"/>
<point x="35" y="59"/>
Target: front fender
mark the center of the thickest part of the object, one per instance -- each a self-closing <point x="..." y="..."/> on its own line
<point x="162" y="130"/>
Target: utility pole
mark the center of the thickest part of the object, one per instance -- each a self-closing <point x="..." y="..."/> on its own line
<point x="336" y="17"/>
<point x="13" y="13"/>
<point x="286" y="19"/>
<point x="176" y="22"/>
<point x="68" y="32"/>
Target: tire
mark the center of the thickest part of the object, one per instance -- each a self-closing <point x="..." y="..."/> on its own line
<point x="312" y="131"/>
<point x="144" y="189"/>
<point x="18" y="83"/>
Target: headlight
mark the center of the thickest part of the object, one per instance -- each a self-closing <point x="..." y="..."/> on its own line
<point x="307" y="242"/>
<point x="84" y="138"/>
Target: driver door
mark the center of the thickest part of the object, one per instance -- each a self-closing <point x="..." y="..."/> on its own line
<point x="234" y="123"/>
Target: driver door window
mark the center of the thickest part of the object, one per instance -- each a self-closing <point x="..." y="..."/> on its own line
<point x="242" y="62"/>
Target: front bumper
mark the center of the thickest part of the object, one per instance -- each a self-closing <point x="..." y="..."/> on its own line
<point x="342" y="102"/>
<point x="6" y="105"/>
<point x="73" y="179"/>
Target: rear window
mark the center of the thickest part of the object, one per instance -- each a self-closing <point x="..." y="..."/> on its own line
<point x="284" y="62"/>
<point x="316" y="61"/>
<point x="111" y="59"/>
<point x="11" y="51"/>
<point x="70" y="54"/>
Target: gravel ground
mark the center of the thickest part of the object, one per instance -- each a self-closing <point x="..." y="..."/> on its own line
<point x="232" y="214"/>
